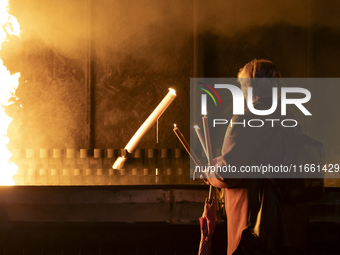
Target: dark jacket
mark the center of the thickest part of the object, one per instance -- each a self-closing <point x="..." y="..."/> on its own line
<point x="253" y="204"/>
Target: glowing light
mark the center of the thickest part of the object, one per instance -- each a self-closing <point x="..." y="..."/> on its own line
<point x="172" y="91"/>
<point x="8" y="85"/>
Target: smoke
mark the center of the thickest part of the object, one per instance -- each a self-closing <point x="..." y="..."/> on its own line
<point x="134" y="27"/>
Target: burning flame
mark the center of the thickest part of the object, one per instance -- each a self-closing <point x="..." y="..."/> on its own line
<point x="8" y="85"/>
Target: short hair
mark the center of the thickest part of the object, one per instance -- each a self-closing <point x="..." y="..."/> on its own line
<point x="262" y="88"/>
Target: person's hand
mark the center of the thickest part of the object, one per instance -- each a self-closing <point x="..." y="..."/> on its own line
<point x="205" y="175"/>
<point x="205" y="179"/>
<point x="214" y="162"/>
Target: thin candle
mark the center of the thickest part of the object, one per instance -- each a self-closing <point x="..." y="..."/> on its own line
<point x="207" y="139"/>
<point x="201" y="139"/>
<point x="208" y="148"/>
<point x="186" y="146"/>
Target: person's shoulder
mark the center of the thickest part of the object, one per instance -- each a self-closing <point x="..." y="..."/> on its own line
<point x="297" y="130"/>
<point x="237" y="124"/>
<point x="241" y="118"/>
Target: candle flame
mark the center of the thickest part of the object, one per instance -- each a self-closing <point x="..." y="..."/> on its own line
<point x="172" y="91"/>
<point x="175" y="125"/>
<point x="9" y="83"/>
<point x="196" y="127"/>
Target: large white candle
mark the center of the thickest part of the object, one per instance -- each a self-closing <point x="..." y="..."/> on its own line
<point x="119" y="163"/>
<point x="151" y="120"/>
<point x="167" y="100"/>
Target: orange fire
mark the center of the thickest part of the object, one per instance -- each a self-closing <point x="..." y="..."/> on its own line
<point x="8" y="85"/>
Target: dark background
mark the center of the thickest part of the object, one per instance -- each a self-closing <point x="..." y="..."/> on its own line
<point x="93" y="71"/>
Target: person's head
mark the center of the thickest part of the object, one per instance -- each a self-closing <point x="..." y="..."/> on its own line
<point x="262" y="88"/>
